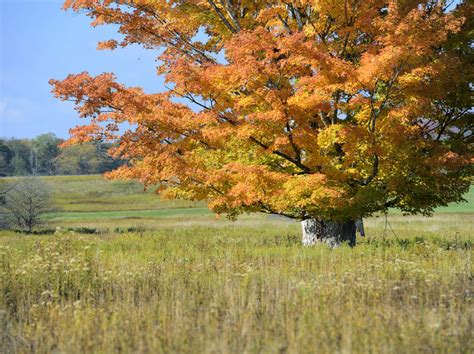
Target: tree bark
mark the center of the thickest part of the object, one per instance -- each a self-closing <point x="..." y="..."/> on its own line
<point x="329" y="232"/>
<point x="360" y="226"/>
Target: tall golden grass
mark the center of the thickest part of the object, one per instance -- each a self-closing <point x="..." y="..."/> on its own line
<point x="241" y="289"/>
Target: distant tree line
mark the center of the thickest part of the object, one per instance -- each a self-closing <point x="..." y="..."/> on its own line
<point x="43" y="155"/>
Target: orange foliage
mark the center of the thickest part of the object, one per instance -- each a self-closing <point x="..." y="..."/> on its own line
<point x="327" y="109"/>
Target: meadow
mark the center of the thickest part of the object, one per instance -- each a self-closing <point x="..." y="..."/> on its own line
<point x="117" y="269"/>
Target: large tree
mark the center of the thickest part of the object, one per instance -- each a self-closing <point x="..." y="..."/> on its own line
<point x="6" y="156"/>
<point x="86" y="158"/>
<point x="23" y="158"/>
<point x="324" y="111"/>
<point x="45" y="149"/>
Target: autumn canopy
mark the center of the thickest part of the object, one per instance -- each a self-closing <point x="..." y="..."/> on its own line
<point x="328" y="110"/>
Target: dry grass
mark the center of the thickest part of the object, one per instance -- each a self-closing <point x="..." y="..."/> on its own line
<point x="245" y="289"/>
<point x="185" y="282"/>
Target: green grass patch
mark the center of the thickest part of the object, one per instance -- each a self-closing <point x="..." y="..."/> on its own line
<point x="128" y="214"/>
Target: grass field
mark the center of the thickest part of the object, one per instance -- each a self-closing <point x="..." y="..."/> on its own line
<point x="91" y="201"/>
<point x="167" y="276"/>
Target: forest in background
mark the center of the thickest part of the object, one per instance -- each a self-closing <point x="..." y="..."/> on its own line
<point x="44" y="155"/>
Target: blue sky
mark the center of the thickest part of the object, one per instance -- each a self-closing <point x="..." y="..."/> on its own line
<point x="40" y="41"/>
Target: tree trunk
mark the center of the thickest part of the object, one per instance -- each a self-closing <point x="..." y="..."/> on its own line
<point x="330" y="232"/>
<point x="360" y="226"/>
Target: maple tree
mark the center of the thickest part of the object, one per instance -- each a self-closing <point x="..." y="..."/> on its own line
<point x="324" y="111"/>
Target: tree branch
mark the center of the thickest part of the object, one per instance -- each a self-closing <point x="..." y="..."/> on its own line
<point x="373" y="174"/>
<point x="281" y="154"/>
<point x="222" y="17"/>
<point x="297" y="16"/>
<point x="230" y="11"/>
